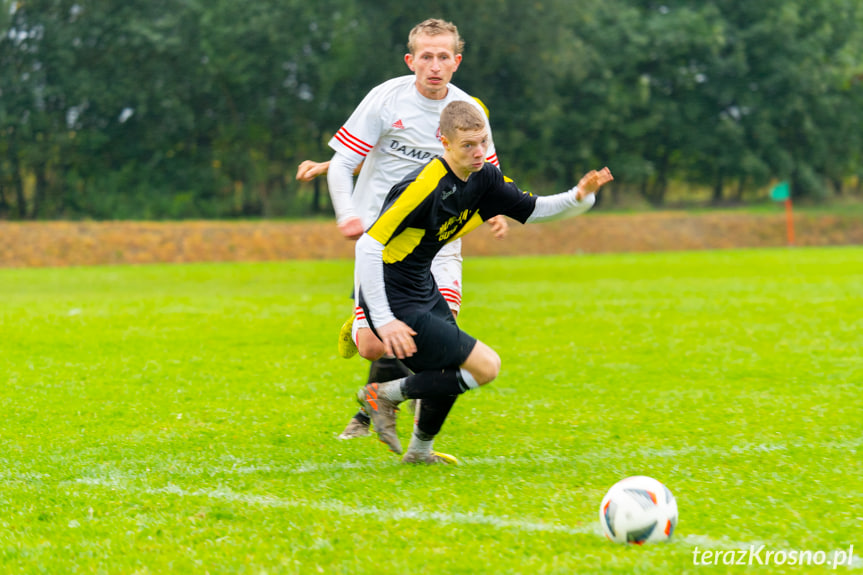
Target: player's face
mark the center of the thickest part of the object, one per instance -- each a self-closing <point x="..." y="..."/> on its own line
<point x="433" y="61"/>
<point x="466" y="152"/>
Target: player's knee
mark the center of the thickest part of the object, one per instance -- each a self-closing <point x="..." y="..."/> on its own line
<point x="368" y="345"/>
<point x="483" y="363"/>
<point x="371" y="352"/>
<point x="488" y="368"/>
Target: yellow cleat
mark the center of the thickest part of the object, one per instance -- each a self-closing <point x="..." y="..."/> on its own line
<point x="432" y="458"/>
<point x="347" y="347"/>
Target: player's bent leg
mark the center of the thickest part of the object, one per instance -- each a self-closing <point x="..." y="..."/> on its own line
<point x="432" y="414"/>
<point x="483" y="363"/>
<point x="368" y="344"/>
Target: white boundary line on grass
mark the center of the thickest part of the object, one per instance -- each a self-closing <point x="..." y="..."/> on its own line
<point x="329" y="466"/>
<point x="227" y="495"/>
<point x="234" y="466"/>
<point x="742" y="448"/>
<point x="339" y="508"/>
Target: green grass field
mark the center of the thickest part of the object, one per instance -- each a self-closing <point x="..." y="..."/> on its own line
<point x="183" y="419"/>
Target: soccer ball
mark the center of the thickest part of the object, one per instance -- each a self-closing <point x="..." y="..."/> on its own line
<point x="638" y="510"/>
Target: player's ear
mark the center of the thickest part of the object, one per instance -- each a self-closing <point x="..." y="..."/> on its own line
<point x="457" y="60"/>
<point x="409" y="60"/>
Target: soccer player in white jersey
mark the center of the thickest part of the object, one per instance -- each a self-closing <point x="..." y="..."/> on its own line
<point x="394" y="131"/>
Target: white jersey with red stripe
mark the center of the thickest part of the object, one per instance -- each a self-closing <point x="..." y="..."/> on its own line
<point x="394" y="130"/>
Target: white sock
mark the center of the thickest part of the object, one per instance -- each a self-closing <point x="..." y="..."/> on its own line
<point x="421" y="446"/>
<point x="468" y="379"/>
<point x="392" y="390"/>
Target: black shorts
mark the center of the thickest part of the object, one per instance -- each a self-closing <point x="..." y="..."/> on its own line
<point x="440" y="343"/>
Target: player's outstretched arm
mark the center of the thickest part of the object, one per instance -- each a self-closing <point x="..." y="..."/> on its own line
<point x="309" y="170"/>
<point x="592" y="181"/>
<point x="572" y="202"/>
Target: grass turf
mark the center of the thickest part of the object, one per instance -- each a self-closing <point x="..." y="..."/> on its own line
<point x="184" y="418"/>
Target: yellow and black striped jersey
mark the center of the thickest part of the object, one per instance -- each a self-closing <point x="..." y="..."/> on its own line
<point x="430" y="208"/>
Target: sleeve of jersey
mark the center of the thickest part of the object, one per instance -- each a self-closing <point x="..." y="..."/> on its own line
<point x="559" y="206"/>
<point x="504" y="197"/>
<point x="340" y="181"/>
<point x="360" y="133"/>
<point x="370" y="269"/>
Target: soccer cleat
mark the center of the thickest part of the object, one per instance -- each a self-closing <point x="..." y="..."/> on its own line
<point x="347" y="347"/>
<point x="356" y="428"/>
<point x="431" y="458"/>
<point x="383" y="414"/>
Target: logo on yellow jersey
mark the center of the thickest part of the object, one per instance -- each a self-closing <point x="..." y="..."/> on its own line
<point x="451" y="226"/>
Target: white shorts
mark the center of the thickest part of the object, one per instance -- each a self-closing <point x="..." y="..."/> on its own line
<point x="446" y="269"/>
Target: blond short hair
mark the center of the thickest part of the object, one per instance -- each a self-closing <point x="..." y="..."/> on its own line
<point x="434" y="27"/>
<point x="460" y="115"/>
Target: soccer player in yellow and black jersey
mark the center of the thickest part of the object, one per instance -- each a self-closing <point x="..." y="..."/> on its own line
<point x="440" y="202"/>
<point x="394" y="131"/>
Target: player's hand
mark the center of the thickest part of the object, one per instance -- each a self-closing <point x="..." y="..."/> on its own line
<point x="352" y="228"/>
<point x="398" y="339"/>
<point x="499" y="227"/>
<point x="309" y="170"/>
<point x="592" y="181"/>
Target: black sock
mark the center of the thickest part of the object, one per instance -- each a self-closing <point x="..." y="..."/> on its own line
<point x="387" y="369"/>
<point x="361" y="415"/>
<point x="433" y="413"/>
<point x="433" y="384"/>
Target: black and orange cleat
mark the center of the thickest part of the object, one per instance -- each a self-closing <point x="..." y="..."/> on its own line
<point x="383" y="414"/>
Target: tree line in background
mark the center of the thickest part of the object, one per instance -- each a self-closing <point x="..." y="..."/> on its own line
<point x="140" y="109"/>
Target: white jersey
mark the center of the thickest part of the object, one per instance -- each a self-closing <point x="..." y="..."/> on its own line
<point x="394" y="130"/>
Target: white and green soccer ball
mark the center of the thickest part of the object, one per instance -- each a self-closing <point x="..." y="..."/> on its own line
<point x="638" y="510"/>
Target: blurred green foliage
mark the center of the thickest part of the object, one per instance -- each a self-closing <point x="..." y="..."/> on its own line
<point x="186" y="109"/>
